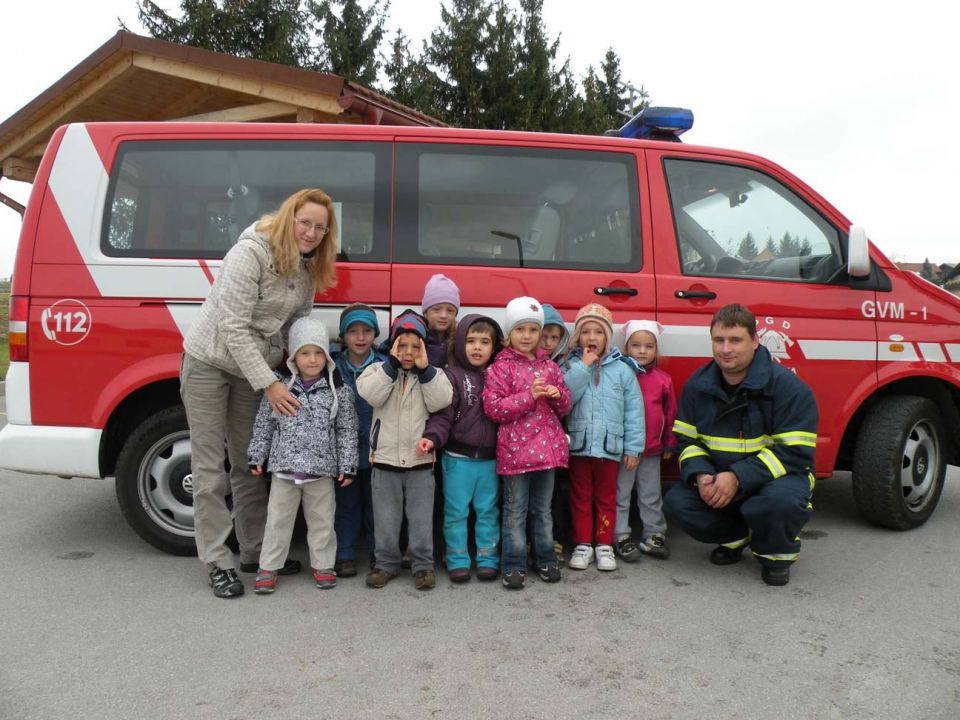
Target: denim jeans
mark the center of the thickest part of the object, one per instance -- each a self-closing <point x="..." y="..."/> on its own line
<point x="465" y="481"/>
<point x="354" y="514"/>
<point x="531" y="490"/>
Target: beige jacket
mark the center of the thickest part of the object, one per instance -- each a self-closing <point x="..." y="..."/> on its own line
<point x="399" y="418"/>
<point x="243" y="323"/>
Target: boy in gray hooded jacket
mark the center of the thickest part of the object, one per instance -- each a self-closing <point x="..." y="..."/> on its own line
<point x="306" y="453"/>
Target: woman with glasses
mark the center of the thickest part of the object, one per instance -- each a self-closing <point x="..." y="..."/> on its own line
<point x="268" y="280"/>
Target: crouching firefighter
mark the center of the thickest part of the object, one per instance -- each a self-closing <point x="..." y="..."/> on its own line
<point x="746" y="431"/>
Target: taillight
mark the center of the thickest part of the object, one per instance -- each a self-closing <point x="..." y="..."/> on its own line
<point x="19" y="314"/>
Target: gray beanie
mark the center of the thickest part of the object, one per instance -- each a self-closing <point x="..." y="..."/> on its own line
<point x="310" y="331"/>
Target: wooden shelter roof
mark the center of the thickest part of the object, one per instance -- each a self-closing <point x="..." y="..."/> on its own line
<point x="133" y="78"/>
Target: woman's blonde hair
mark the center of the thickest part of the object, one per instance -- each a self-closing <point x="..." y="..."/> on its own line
<point x="281" y="229"/>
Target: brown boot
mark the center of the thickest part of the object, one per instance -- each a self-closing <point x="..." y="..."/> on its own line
<point x="378" y="577"/>
<point x="424" y="580"/>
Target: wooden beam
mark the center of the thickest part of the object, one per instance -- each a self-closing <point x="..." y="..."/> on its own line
<point x="306" y="115"/>
<point x="244" y="113"/>
<point x="257" y="88"/>
<point x="44" y="123"/>
<point x="19" y="169"/>
<point x="190" y="100"/>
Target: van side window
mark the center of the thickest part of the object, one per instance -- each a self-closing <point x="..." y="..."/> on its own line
<point x="516" y="206"/>
<point x="192" y="199"/>
<point x="736" y="222"/>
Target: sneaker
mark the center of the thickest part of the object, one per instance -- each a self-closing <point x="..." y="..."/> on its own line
<point x="459" y="575"/>
<point x="326" y="578"/>
<point x="581" y="557"/>
<point x="290" y="567"/>
<point x="549" y="573"/>
<point x="723" y="555"/>
<point x="606" y="561"/>
<point x="655" y="546"/>
<point x="225" y="583"/>
<point x="558" y="553"/>
<point x="514" y="579"/>
<point x="378" y="577"/>
<point x="486" y="574"/>
<point x="426" y="579"/>
<point x="345" y="568"/>
<point x="266" y="582"/>
<point x="776" y="575"/>
<point x="628" y="550"/>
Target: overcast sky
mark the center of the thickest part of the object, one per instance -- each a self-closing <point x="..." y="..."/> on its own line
<point x="858" y="99"/>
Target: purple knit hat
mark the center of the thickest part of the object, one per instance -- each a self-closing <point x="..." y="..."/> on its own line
<point x="440" y="289"/>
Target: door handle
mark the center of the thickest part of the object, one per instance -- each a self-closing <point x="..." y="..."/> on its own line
<point x="614" y="291"/>
<point x="695" y="294"/>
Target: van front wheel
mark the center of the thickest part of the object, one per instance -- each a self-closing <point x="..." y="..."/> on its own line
<point x="899" y="464"/>
<point x="154" y="484"/>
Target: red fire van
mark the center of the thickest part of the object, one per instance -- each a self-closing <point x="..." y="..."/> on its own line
<point x="127" y="223"/>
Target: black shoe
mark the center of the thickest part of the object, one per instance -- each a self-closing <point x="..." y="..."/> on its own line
<point x="290" y="567"/>
<point x="776" y="575"/>
<point x="225" y="583"/>
<point x="345" y="568"/>
<point x="722" y="555"/>
<point x="514" y="579"/>
<point x="549" y="573"/>
<point x="628" y="550"/>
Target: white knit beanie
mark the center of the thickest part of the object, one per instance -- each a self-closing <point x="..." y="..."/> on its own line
<point x="650" y="326"/>
<point x="309" y="331"/>
<point x="521" y="310"/>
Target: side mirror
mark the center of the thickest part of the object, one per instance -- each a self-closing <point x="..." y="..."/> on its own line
<point x="858" y="252"/>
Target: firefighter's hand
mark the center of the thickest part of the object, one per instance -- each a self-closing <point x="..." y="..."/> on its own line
<point x="280" y="399"/>
<point x="721" y="490"/>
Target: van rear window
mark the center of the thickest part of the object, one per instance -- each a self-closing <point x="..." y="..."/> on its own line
<point x="192" y="199"/>
<point x="517" y="206"/>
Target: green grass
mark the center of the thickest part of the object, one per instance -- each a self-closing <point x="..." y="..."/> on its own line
<point x="4" y="325"/>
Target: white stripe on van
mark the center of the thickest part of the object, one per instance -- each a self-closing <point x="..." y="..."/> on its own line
<point x="864" y="350"/>
<point x="953" y="350"/>
<point x="78" y="181"/>
<point x="932" y="352"/>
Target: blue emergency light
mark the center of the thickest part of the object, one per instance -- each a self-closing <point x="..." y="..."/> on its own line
<point x="658" y="123"/>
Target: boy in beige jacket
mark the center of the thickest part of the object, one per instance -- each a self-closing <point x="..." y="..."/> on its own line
<point x="403" y="391"/>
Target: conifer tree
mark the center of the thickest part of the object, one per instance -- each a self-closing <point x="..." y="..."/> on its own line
<point x="351" y="38"/>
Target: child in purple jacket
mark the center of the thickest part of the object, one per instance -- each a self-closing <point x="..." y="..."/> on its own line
<point x="469" y="442"/>
<point x="525" y="395"/>
<point x="641" y="338"/>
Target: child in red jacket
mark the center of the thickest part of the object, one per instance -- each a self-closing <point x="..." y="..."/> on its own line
<point x="641" y="339"/>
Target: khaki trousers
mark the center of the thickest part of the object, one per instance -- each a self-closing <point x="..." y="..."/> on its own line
<point x="318" y="510"/>
<point x="221" y="408"/>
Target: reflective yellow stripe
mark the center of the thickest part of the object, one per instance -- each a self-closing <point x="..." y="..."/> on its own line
<point x="692" y="451"/>
<point x="787" y="557"/>
<point x="737" y="543"/>
<point x="772" y="462"/>
<point x="683" y="428"/>
<point x="796" y="437"/>
<point x="732" y="444"/>
<point x="813" y="481"/>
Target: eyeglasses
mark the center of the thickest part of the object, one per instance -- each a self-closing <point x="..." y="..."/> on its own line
<point x="307" y="226"/>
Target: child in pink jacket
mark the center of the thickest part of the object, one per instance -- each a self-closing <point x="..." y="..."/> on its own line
<point x="525" y="395"/>
<point x="641" y="340"/>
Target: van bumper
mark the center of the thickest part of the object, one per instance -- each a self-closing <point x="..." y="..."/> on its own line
<point x="51" y="450"/>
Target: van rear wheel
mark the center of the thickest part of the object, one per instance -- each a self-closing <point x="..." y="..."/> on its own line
<point x="154" y="484"/>
<point x="899" y="464"/>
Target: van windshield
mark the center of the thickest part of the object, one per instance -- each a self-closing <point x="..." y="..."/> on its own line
<point x="735" y="221"/>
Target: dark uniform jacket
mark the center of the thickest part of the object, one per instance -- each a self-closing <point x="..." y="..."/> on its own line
<point x="765" y="429"/>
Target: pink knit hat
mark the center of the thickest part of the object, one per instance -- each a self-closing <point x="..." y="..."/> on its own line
<point x="592" y="312"/>
<point x="440" y="289"/>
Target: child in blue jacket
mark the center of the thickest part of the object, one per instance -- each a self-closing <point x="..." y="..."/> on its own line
<point x="605" y="425"/>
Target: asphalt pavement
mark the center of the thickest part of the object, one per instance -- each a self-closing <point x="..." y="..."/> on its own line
<point x="97" y="624"/>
